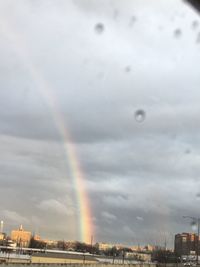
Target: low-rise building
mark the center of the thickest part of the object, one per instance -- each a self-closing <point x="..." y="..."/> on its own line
<point x="149" y="248"/>
<point x="2" y="236"/>
<point x="136" y="248"/>
<point x="138" y="256"/>
<point x="104" y="246"/>
<point x="21" y="237"/>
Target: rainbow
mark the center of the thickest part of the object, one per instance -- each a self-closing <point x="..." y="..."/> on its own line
<point x="85" y="226"/>
<point x="85" y="218"/>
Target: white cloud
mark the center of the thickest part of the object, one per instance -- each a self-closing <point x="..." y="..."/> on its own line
<point x="13" y="217"/>
<point x="53" y="205"/>
<point x="128" y="231"/>
<point x="109" y="217"/>
<point x="140" y="218"/>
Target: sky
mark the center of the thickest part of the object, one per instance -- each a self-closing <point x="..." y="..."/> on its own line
<point x="101" y="62"/>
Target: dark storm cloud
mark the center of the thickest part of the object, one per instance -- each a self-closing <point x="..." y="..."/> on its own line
<point x="142" y="177"/>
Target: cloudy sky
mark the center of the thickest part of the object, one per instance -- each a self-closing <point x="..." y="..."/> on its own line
<point x="101" y="61"/>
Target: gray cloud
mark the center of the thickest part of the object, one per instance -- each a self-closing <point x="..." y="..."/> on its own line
<point x="55" y="206"/>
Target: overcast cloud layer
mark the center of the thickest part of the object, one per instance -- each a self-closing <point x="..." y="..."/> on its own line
<point x="102" y="61"/>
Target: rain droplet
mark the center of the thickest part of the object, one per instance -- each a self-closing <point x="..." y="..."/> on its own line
<point x="116" y="14"/>
<point x="99" y="28"/>
<point x="140" y="115"/>
<point x="160" y="28"/>
<point x="132" y="21"/>
<point x="187" y="151"/>
<point x="198" y="195"/>
<point x="100" y="75"/>
<point x="198" y="38"/>
<point x="127" y="69"/>
<point x="195" y="24"/>
<point x="177" y="33"/>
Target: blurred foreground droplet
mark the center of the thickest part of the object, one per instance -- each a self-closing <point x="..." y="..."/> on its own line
<point x="177" y="33"/>
<point x="99" y="28"/>
<point x="198" y="38"/>
<point x="140" y="115"/>
<point x="132" y="21"/>
<point x="116" y="14"/>
<point x="198" y="195"/>
<point x="195" y="24"/>
<point x="187" y="151"/>
<point x="127" y="69"/>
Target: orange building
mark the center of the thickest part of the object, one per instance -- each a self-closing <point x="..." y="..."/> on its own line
<point x="21" y="237"/>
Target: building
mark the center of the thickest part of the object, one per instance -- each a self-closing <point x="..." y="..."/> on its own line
<point x="2" y="236"/>
<point x="37" y="238"/>
<point x="50" y="242"/>
<point x="21" y="237"/>
<point x="136" y="248"/>
<point x="104" y="246"/>
<point x="186" y="244"/>
<point x="149" y="248"/>
<point x="139" y="256"/>
<point x="119" y="246"/>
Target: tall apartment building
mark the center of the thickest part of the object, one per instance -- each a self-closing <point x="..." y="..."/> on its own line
<point x="186" y="244"/>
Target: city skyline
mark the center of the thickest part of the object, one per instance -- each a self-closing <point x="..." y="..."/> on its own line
<point x="99" y="118"/>
<point x="21" y="237"/>
<point x="177" y="239"/>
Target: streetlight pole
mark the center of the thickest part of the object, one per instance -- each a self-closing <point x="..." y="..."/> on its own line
<point x="197" y="220"/>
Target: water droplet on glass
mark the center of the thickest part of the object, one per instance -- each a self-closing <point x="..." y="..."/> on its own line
<point x="132" y="21"/>
<point x="127" y="69"/>
<point x="187" y="151"/>
<point x="116" y="14"/>
<point x="195" y="24"/>
<point x="198" y="195"/>
<point x="100" y="75"/>
<point x="99" y="28"/>
<point x="198" y="38"/>
<point x="140" y="115"/>
<point x="160" y="28"/>
<point x="177" y="33"/>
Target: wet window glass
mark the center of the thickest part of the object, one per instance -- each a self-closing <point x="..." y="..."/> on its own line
<point x="99" y="123"/>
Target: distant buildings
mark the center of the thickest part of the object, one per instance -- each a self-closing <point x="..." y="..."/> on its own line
<point x="50" y="243"/>
<point x="147" y="248"/>
<point x="186" y="244"/>
<point x="136" y="248"/>
<point x="21" y="237"/>
<point x="104" y="246"/>
<point x="2" y="236"/>
<point x="37" y="238"/>
<point x="139" y="256"/>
